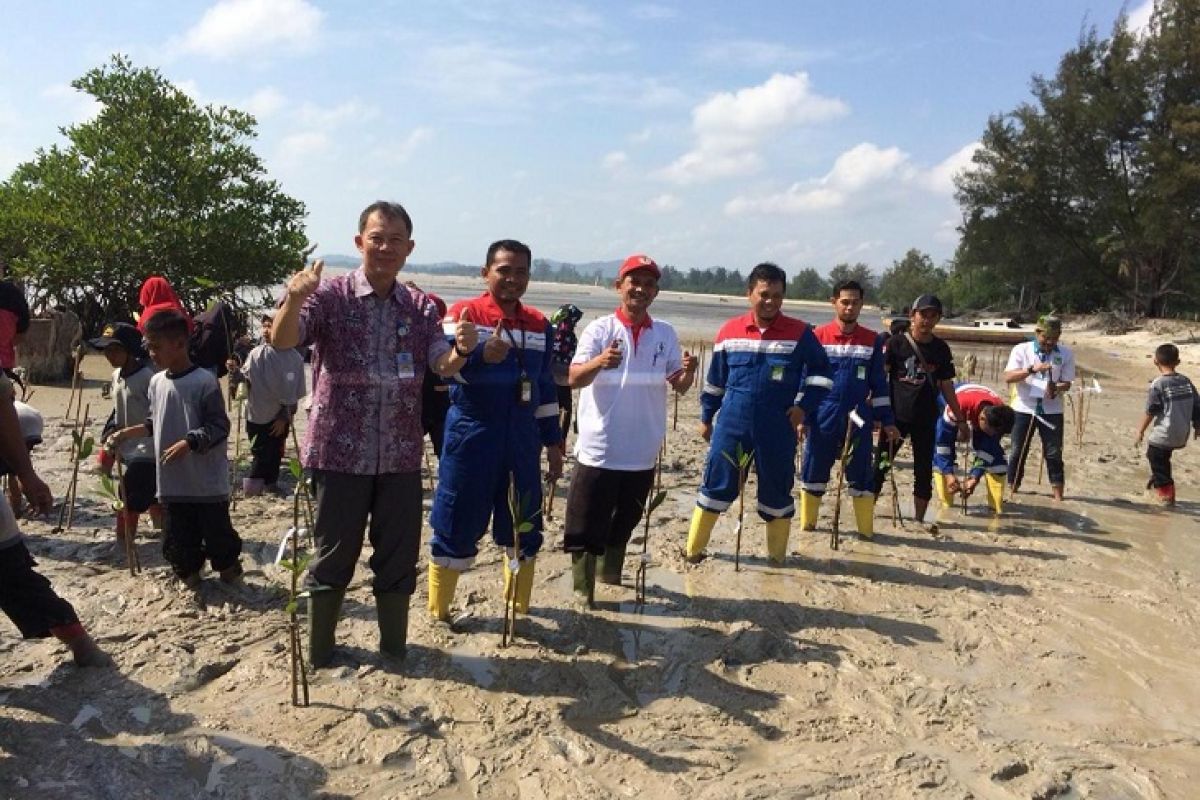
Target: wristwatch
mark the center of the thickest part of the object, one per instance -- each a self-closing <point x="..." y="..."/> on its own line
<point x="461" y="354"/>
<point x="1030" y="369"/>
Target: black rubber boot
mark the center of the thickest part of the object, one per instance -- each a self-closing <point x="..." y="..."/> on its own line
<point x="324" y="608"/>
<point x="610" y="564"/>
<point x="392" y="610"/>
<point x="583" y="578"/>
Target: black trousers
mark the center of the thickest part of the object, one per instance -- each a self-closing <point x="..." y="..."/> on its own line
<point x="566" y="406"/>
<point x="344" y="503"/>
<point x="603" y="507"/>
<point x="1052" y="447"/>
<point x="196" y="532"/>
<point x="1160" y="466"/>
<point x="27" y="598"/>
<point x="266" y="450"/>
<point x="922" y="449"/>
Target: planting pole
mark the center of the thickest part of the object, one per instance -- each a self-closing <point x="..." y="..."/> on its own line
<point x="62" y="510"/>
<point x="834" y="534"/>
<point x="897" y="519"/>
<point x="743" y="467"/>
<point x="75" y="383"/>
<point x="966" y="473"/>
<point x="639" y="580"/>
<point x="1023" y="457"/>
<point x="73" y="490"/>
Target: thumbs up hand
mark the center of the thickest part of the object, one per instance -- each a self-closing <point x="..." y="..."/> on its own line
<point x="496" y="348"/>
<point x="610" y="357"/>
<point x="690" y="362"/>
<point x="306" y="281"/>
<point x="465" y="334"/>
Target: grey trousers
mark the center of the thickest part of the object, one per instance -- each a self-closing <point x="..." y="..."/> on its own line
<point x="344" y="503"/>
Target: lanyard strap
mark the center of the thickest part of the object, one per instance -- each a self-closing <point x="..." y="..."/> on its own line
<point x="512" y="339"/>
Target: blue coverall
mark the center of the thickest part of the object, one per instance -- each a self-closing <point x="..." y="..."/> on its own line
<point x="754" y="377"/>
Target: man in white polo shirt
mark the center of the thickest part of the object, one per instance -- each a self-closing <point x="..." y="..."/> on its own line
<point x="623" y="364"/>
<point x="1041" y="372"/>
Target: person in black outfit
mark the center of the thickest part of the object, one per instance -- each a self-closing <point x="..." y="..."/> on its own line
<point x="919" y="366"/>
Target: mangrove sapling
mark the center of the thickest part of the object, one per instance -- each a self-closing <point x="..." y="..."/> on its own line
<point x="304" y="488"/>
<point x="639" y="580"/>
<point x="115" y="492"/>
<point x="520" y="524"/>
<point x="741" y="462"/>
<point x="296" y="564"/>
<point x="853" y="420"/>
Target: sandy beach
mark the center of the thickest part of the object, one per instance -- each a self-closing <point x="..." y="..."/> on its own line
<point x="1045" y="653"/>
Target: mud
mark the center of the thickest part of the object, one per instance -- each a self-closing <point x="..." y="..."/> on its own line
<point x="1048" y="653"/>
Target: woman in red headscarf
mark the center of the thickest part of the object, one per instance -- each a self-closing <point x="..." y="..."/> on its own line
<point x="157" y="295"/>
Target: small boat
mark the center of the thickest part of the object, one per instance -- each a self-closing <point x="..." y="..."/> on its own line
<point x="981" y="332"/>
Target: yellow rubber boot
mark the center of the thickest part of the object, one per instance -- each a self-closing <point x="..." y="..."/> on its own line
<point x="864" y="514"/>
<point x="995" y="491"/>
<point x="777" y="539"/>
<point x="442" y="582"/>
<point x="939" y="488"/>
<point x="703" y="522"/>
<point x="810" y="506"/>
<point x="524" y="582"/>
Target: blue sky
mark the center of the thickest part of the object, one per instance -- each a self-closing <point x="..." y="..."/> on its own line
<point x="703" y="133"/>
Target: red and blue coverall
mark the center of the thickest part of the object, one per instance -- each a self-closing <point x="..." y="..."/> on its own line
<point x="754" y="377"/>
<point x="987" y="453"/>
<point x="860" y="385"/>
<point x="492" y="436"/>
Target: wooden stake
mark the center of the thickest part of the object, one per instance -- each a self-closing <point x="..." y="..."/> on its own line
<point x="75" y="383"/>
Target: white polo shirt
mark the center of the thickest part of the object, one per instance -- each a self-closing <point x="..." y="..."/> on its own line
<point x="1031" y="388"/>
<point x="623" y="414"/>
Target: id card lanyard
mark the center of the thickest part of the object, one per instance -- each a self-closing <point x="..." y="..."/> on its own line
<point x="524" y="385"/>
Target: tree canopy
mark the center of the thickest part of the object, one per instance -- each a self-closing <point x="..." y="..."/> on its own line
<point x="909" y="278"/>
<point x="1089" y="195"/>
<point x="154" y="184"/>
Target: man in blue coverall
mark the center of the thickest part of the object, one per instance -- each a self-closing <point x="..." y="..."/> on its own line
<point x="859" y="386"/>
<point x="503" y="410"/>
<point x="767" y="371"/>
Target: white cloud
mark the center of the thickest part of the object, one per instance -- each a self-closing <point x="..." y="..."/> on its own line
<point x="234" y="28"/>
<point x="311" y="115"/>
<point x="663" y="203"/>
<point x="80" y="106"/>
<point x="615" y="160"/>
<point x="479" y="74"/>
<point x="401" y="151"/>
<point x="298" y="147"/>
<point x="864" y="170"/>
<point x="730" y="126"/>
<point x="264" y="103"/>
<point x="650" y="12"/>
<point x="1139" y="19"/>
<point x="642" y="136"/>
<point x="854" y="170"/>
<point x="941" y="177"/>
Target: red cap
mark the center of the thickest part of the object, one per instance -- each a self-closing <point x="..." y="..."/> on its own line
<point x="636" y="262"/>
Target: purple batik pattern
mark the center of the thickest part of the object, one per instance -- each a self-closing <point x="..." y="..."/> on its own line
<point x="366" y="410"/>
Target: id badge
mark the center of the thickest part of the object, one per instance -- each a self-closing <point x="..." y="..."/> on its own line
<point x="524" y="390"/>
<point x="777" y="373"/>
<point x="405" y="370"/>
<point x="861" y="372"/>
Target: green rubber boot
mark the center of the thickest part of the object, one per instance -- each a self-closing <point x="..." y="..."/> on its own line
<point x="583" y="578"/>
<point x="324" y="608"/>
<point x="392" y="610"/>
<point x="610" y="564"/>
